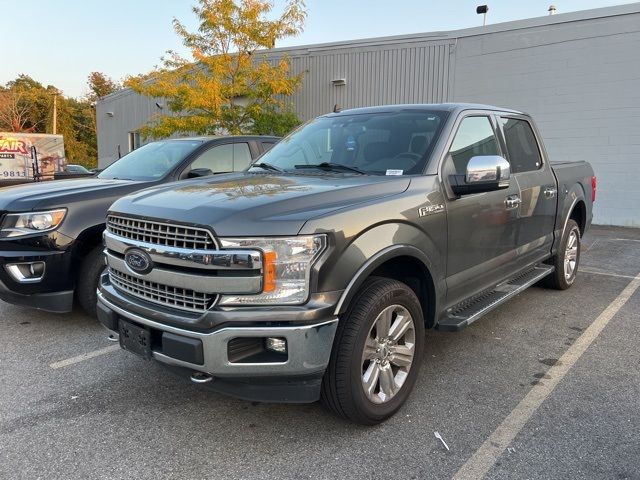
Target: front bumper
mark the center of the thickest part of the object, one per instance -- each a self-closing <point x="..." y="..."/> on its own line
<point x="57" y="302"/>
<point x="295" y="379"/>
<point x="54" y="292"/>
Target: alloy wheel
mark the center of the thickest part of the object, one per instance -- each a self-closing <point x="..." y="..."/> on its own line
<point x="388" y="354"/>
<point x="571" y="255"/>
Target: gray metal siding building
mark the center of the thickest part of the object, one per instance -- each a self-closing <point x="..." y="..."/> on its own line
<point x="578" y="74"/>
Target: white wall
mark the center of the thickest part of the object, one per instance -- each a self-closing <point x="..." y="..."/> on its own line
<point x="578" y="74"/>
<point x="581" y="83"/>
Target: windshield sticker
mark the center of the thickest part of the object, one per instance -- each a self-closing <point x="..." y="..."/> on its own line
<point x="350" y="144"/>
<point x="395" y="172"/>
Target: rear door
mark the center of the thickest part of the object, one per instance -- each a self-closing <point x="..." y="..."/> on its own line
<point x="538" y="190"/>
<point x="481" y="227"/>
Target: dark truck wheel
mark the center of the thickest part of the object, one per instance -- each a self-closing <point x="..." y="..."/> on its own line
<point x="376" y="354"/>
<point x="87" y="281"/>
<point x="567" y="259"/>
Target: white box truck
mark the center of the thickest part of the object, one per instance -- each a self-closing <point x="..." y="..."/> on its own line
<point x="30" y="156"/>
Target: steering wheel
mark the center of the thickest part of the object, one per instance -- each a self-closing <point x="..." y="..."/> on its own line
<point x="412" y="157"/>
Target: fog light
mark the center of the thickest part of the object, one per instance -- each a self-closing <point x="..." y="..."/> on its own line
<point x="26" y="272"/>
<point x="278" y="345"/>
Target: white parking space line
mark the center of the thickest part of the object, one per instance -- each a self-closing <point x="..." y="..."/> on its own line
<point x="596" y="272"/>
<point x="486" y="456"/>
<point x="84" y="356"/>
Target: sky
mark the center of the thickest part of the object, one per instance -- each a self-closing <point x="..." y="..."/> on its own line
<point x="59" y="42"/>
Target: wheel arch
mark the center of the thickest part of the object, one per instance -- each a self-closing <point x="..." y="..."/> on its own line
<point x="404" y="263"/>
<point x="579" y="214"/>
<point x="86" y="241"/>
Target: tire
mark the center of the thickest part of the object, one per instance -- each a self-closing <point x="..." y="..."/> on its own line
<point x="87" y="281"/>
<point x="343" y="388"/>
<point x="561" y="278"/>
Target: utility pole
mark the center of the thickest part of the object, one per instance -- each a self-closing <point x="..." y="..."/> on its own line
<point x="55" y="112"/>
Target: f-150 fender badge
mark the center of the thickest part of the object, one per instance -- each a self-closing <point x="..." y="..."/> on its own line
<point x="430" y="209"/>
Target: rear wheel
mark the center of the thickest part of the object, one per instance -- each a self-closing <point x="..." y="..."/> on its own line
<point x="567" y="259"/>
<point x="87" y="281"/>
<point x="376" y="354"/>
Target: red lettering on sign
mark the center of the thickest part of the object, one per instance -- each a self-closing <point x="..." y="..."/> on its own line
<point x="13" y="145"/>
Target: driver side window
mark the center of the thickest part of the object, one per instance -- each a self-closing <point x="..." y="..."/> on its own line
<point x="475" y="136"/>
<point x="217" y="159"/>
<point x="230" y="157"/>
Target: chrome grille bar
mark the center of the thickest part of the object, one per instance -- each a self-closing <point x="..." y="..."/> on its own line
<point x="159" y="233"/>
<point x="250" y="283"/>
<point x="227" y="259"/>
<point x="167" y="295"/>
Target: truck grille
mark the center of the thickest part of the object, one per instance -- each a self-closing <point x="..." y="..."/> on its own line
<point x="158" y="233"/>
<point x="167" y="295"/>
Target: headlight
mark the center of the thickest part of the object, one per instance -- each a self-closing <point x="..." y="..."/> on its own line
<point x="21" y="224"/>
<point x="287" y="266"/>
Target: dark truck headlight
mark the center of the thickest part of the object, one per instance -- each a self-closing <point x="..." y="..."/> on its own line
<point x="22" y="224"/>
<point x="287" y="263"/>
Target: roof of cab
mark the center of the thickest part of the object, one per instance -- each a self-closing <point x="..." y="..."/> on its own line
<point x="207" y="138"/>
<point x="447" y="107"/>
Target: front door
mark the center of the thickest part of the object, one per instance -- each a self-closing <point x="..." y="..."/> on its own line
<point x="481" y="227"/>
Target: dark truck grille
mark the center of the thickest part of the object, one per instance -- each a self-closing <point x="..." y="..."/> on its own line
<point x="167" y="295"/>
<point x="157" y="233"/>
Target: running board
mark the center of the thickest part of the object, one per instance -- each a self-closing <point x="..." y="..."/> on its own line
<point x="468" y="311"/>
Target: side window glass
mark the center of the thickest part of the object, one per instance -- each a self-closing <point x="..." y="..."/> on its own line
<point x="241" y="156"/>
<point x="524" y="153"/>
<point x="218" y="159"/>
<point x="474" y="137"/>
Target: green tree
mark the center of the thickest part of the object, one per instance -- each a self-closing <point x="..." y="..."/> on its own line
<point x="100" y="85"/>
<point x="23" y="105"/>
<point x="227" y="85"/>
<point x="27" y="106"/>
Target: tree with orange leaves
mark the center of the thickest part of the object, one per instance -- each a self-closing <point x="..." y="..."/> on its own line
<point x="229" y="85"/>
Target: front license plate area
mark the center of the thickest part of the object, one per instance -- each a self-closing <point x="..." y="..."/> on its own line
<point x="135" y="339"/>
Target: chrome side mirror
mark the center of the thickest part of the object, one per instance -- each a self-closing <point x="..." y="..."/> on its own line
<point x="485" y="173"/>
<point x="487" y="168"/>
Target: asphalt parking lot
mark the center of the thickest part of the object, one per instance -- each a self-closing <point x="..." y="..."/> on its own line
<point x="546" y="386"/>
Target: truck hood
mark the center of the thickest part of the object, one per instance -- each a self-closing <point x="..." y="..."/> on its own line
<point x="250" y="204"/>
<point x="30" y="196"/>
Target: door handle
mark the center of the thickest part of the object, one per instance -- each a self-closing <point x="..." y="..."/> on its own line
<point x="512" y="201"/>
<point x="550" y="192"/>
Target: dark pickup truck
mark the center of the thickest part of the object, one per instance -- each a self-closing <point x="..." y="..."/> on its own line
<point x="314" y="274"/>
<point x="51" y="232"/>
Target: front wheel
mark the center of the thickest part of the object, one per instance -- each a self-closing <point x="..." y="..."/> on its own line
<point x="87" y="281"/>
<point x="376" y="354"/>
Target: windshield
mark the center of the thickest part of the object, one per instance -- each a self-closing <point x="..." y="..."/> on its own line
<point x="397" y="143"/>
<point x="150" y="162"/>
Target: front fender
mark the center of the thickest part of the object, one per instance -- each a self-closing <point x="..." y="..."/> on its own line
<point x="349" y="268"/>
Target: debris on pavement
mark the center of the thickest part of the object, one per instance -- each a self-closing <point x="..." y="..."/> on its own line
<point x="439" y="437"/>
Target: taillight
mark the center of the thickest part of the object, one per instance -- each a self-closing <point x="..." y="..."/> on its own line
<point x="594" y="183"/>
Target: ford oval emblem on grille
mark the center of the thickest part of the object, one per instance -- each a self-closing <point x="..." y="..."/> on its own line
<point x="138" y="261"/>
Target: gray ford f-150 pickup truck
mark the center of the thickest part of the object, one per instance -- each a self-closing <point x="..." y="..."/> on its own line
<point x="313" y="274"/>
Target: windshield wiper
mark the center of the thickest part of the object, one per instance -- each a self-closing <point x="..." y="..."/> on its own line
<point x="266" y="166"/>
<point x="334" y="166"/>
